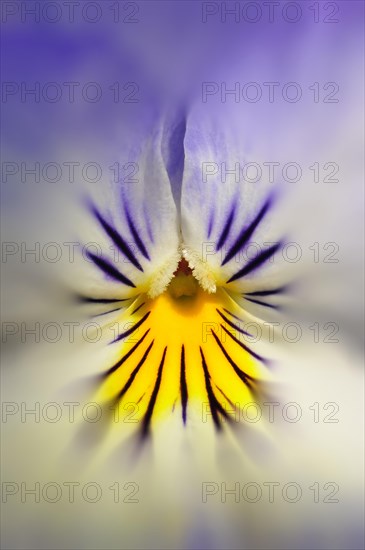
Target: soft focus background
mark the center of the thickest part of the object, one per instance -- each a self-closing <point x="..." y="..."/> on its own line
<point x="83" y="84"/>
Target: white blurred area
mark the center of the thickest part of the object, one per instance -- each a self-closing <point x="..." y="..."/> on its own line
<point x="170" y="471"/>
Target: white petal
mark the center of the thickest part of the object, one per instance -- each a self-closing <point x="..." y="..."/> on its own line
<point x="141" y="210"/>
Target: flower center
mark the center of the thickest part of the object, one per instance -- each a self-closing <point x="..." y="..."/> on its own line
<point x="181" y="275"/>
<point x="183" y="284"/>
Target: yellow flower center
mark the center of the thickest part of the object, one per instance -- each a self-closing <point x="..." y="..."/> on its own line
<point x="185" y="352"/>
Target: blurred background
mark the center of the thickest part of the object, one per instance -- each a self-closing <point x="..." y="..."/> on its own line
<point x="83" y="85"/>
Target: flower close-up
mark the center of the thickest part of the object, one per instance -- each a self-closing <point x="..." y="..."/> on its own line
<point x="175" y="287"/>
<point x="182" y="274"/>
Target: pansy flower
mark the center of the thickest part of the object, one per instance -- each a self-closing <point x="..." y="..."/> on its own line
<point x="182" y="269"/>
<point x="185" y="257"/>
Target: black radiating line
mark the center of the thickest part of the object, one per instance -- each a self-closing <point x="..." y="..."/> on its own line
<point x="226" y="229"/>
<point x="233" y="315"/>
<point x="132" y="329"/>
<point x="148" y="415"/>
<point x="126" y="356"/>
<point x="106" y="312"/>
<point x="232" y="324"/>
<point x="91" y="300"/>
<point x="140" y="399"/>
<point x="211" y="223"/>
<point x="183" y="385"/>
<point x="261" y="303"/>
<point x="117" y="239"/>
<point x="246" y="348"/>
<point x="215" y="406"/>
<point x="136" y="237"/>
<point x="110" y="270"/>
<point x="246" y="233"/>
<point x="226" y="397"/>
<point x="130" y="380"/>
<point x="255" y="262"/>
<point x="246" y="378"/>
<point x="270" y="292"/>
<point x="137" y="308"/>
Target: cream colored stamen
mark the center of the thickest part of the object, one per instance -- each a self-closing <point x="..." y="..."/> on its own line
<point x="201" y="269"/>
<point x="161" y="278"/>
